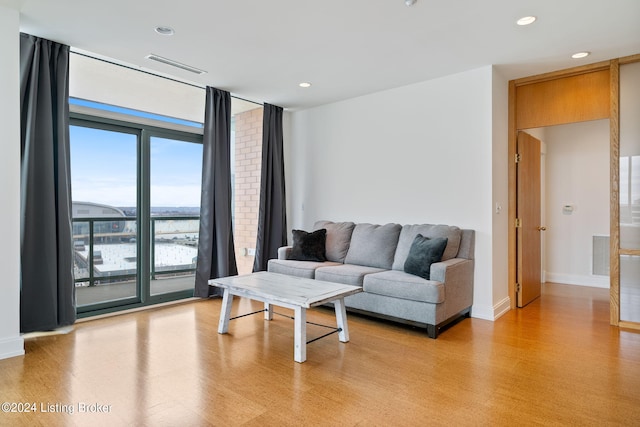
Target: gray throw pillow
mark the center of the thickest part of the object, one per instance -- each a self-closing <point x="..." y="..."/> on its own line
<point x="309" y="246"/>
<point x="424" y="252"/>
<point x="338" y="238"/>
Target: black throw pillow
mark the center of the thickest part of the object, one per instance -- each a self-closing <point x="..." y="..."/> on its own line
<point x="424" y="252"/>
<point x="309" y="246"/>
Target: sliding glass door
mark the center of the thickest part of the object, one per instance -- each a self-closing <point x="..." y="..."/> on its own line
<point x="136" y="208"/>
<point x="175" y="181"/>
<point x="104" y="195"/>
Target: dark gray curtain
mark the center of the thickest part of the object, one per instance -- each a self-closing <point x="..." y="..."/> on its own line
<point x="216" y="253"/>
<point x="272" y="219"/>
<point x="47" y="297"/>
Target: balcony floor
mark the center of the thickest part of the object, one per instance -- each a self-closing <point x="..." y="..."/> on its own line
<point x="87" y="295"/>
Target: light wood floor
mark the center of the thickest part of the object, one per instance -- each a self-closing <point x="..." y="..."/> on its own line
<point x="556" y="362"/>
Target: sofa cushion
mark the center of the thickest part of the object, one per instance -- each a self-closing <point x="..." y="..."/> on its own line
<point x="409" y="233"/>
<point x="305" y="269"/>
<point x="309" y="246"/>
<point x="424" y="252"/>
<point x="399" y="284"/>
<point x="347" y="274"/>
<point x="373" y="245"/>
<point x="338" y="238"/>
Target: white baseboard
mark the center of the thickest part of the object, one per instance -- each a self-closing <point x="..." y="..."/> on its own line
<point x="501" y="308"/>
<point x="491" y="313"/>
<point x="484" y="312"/>
<point x="579" y="280"/>
<point x="11" y="347"/>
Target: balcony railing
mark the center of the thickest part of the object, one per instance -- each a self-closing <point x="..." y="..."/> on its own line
<point x="106" y="248"/>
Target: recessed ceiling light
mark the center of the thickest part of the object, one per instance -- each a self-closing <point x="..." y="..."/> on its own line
<point x="410" y="2"/>
<point x="580" y="55"/>
<point x="305" y="84"/>
<point x="165" y="31"/>
<point x="526" y="20"/>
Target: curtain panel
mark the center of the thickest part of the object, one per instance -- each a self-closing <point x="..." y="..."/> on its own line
<point x="216" y="252"/>
<point x="272" y="217"/>
<point x="47" y="297"/>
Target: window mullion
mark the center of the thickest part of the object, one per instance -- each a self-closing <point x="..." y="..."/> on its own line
<point x="144" y="217"/>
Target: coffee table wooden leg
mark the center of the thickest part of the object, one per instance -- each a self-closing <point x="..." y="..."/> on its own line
<point x="268" y="311"/>
<point x="341" y="319"/>
<point x="225" y="312"/>
<point x="300" y="335"/>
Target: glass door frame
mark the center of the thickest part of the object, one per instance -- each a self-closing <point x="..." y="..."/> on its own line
<point x="616" y="294"/>
<point x="144" y="239"/>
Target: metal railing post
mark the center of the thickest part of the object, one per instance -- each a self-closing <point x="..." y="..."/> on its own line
<point x="90" y="263"/>
<point x="153" y="249"/>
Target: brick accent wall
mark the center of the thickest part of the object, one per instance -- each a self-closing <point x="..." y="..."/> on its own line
<point x="248" y="153"/>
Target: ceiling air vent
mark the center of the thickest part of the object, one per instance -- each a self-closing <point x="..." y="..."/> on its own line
<point x="175" y="64"/>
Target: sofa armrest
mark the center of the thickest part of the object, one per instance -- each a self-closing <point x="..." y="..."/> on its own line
<point x="439" y="270"/>
<point x="284" y="251"/>
<point x="457" y="276"/>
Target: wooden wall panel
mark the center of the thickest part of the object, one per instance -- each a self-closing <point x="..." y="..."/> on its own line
<point x="565" y="100"/>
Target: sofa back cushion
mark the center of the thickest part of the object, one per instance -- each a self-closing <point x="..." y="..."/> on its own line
<point x="338" y="238"/>
<point x="373" y="245"/>
<point x="409" y="233"/>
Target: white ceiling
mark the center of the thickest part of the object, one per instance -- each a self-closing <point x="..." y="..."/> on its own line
<point x="261" y="49"/>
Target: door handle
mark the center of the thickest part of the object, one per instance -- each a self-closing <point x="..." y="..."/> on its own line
<point x="542" y="228"/>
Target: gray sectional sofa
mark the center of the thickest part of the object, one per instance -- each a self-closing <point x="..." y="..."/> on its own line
<point x="373" y="256"/>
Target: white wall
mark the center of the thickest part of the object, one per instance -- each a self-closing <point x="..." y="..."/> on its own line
<point x="577" y="173"/>
<point x="415" y="154"/>
<point x="11" y="343"/>
<point x="500" y="205"/>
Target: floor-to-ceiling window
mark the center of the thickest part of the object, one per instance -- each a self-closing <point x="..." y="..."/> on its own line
<point x="136" y="206"/>
<point x="104" y="194"/>
<point x="174" y="183"/>
<point x="136" y="149"/>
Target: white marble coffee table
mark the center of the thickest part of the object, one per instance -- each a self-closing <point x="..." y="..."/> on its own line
<point x="292" y="292"/>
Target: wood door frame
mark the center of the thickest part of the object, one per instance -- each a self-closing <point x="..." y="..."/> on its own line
<point x="614" y="140"/>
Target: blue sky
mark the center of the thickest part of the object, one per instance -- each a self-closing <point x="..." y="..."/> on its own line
<point x="176" y="173"/>
<point x="103" y="168"/>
